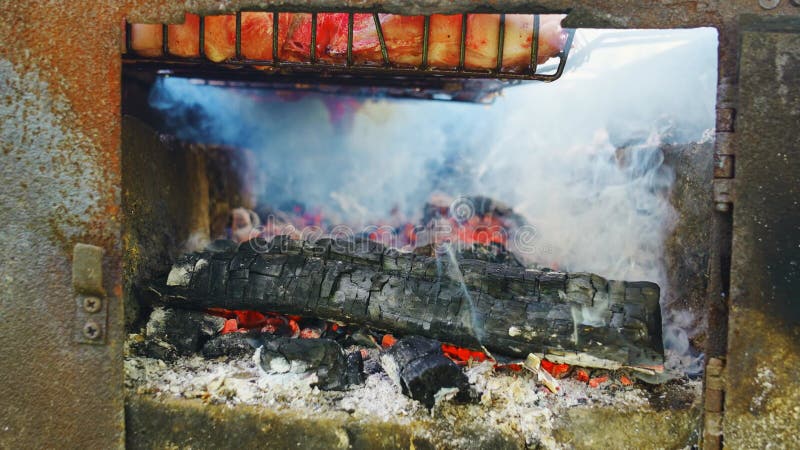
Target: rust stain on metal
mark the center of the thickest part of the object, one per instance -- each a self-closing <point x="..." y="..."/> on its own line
<point x="81" y="67"/>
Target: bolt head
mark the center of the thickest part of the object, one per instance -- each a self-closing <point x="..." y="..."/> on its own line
<point x="91" y="330"/>
<point x="92" y="304"/>
<point x="769" y="4"/>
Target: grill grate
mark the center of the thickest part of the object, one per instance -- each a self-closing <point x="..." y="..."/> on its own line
<point x="314" y="65"/>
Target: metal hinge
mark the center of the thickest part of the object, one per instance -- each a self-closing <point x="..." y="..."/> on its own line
<point x="724" y="159"/>
<point x="91" y="319"/>
<point x="714" y="402"/>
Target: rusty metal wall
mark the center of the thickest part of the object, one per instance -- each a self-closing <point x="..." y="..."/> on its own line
<point x="59" y="128"/>
<point x="60" y="162"/>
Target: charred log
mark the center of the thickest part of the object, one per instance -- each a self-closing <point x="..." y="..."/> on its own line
<point x="491" y="253"/>
<point x="470" y="303"/>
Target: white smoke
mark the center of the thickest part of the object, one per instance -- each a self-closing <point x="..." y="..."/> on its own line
<point x="579" y="158"/>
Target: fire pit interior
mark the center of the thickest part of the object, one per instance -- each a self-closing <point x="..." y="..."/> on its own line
<point x="370" y="243"/>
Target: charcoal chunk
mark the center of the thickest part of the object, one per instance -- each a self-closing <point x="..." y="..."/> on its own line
<point x="324" y="357"/>
<point x="355" y="368"/>
<point x="311" y="328"/>
<point x="424" y="377"/>
<point x="413" y="347"/>
<point x="418" y="366"/>
<point x="174" y="332"/>
<point x="229" y="345"/>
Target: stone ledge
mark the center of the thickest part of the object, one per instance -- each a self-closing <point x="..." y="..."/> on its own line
<point x="178" y="423"/>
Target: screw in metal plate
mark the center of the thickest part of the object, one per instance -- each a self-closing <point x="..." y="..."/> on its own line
<point x="769" y="4"/>
<point x="723" y="207"/>
<point x="92" y="304"/>
<point x="91" y="330"/>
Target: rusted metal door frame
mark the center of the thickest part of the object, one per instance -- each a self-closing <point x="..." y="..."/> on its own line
<point x="763" y="339"/>
<point x="60" y="76"/>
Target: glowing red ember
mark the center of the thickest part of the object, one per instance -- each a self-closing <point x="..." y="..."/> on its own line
<point x="243" y="320"/>
<point x="388" y="340"/>
<point x="597" y="381"/>
<point x="556" y="370"/>
<point x="461" y="355"/>
<point x="230" y="326"/>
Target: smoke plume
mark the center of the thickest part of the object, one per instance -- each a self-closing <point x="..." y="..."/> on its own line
<point x="579" y="158"/>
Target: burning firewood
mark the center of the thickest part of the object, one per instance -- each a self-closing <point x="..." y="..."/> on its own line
<point x="470" y="303"/>
<point x="418" y="366"/>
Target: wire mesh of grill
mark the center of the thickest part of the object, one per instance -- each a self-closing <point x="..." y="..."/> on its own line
<point x="386" y="67"/>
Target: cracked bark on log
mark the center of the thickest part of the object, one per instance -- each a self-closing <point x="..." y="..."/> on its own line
<point x="509" y="310"/>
